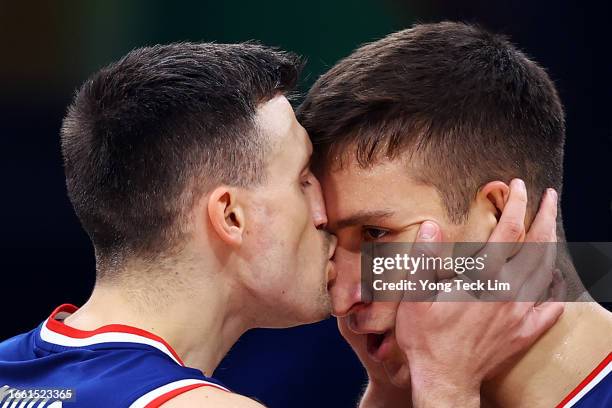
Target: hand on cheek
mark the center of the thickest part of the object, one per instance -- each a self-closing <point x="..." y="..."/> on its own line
<point x="452" y="345"/>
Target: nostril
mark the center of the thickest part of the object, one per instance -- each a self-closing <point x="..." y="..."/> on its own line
<point x="348" y="310"/>
<point x="355" y="308"/>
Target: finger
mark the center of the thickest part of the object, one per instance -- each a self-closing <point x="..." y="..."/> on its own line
<point x="511" y="225"/>
<point x="458" y="292"/>
<point x="427" y="245"/>
<point x="531" y="271"/>
<point x="558" y="291"/>
<point x="544" y="226"/>
<point x="532" y="285"/>
<point x="539" y="320"/>
<point x="533" y="266"/>
<point x="509" y="231"/>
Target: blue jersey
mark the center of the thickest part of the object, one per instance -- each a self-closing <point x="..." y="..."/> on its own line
<point x="595" y="391"/>
<point x="119" y="366"/>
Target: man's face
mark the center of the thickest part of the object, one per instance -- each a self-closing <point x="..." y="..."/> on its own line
<point x="382" y="203"/>
<point x="290" y="253"/>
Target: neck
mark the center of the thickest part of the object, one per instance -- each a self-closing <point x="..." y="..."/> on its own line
<point x="568" y="352"/>
<point x="198" y="320"/>
<point x="558" y="361"/>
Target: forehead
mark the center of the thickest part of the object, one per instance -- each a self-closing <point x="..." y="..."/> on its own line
<point x="286" y="137"/>
<point x="385" y="187"/>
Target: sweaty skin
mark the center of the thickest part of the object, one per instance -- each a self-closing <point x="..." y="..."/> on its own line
<point x="384" y="204"/>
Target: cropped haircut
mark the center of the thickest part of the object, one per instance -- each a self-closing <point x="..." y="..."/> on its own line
<point x="147" y="135"/>
<point x="462" y="105"/>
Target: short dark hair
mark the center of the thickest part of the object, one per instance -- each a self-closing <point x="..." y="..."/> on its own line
<point x="465" y="103"/>
<point x="145" y="135"/>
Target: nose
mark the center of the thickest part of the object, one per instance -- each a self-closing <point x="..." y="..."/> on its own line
<point x="317" y="204"/>
<point x="345" y="290"/>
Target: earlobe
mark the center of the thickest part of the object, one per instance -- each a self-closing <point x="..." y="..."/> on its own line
<point x="494" y="193"/>
<point x="226" y="215"/>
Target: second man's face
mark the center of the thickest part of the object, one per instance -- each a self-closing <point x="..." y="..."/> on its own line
<point x="381" y="203"/>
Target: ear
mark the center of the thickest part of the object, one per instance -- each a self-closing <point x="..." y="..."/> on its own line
<point x="226" y="214"/>
<point x="494" y="195"/>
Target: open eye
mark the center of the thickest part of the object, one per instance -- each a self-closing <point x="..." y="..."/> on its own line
<point x="373" y="233"/>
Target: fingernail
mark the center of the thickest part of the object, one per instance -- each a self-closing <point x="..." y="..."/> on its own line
<point x="553" y="193"/>
<point x="519" y="183"/>
<point x="428" y="230"/>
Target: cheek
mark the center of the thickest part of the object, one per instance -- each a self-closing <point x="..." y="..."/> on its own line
<point x="287" y="215"/>
<point x="298" y="211"/>
<point x="384" y="314"/>
<point x="304" y="235"/>
<point x="477" y="228"/>
<point x="302" y="241"/>
<point x="474" y="234"/>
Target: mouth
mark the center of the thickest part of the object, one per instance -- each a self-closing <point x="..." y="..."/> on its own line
<point x="379" y="345"/>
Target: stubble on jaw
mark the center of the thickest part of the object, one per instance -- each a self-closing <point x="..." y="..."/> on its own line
<point x="323" y="300"/>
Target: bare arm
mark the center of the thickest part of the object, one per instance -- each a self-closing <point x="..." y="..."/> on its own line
<point x="211" y="397"/>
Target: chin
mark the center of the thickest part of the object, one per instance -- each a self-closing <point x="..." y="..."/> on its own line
<point x="303" y="319"/>
<point x="321" y="312"/>
<point x="321" y="305"/>
<point x="322" y="315"/>
<point x="306" y="313"/>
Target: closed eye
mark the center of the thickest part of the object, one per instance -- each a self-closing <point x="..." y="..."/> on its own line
<point x="306" y="178"/>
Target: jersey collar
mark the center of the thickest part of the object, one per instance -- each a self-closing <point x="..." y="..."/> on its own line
<point x="54" y="331"/>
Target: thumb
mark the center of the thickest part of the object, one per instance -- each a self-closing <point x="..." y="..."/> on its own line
<point x="426" y="245"/>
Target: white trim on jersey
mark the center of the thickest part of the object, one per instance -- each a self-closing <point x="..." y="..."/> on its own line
<point x="596" y="380"/>
<point x="107" y="337"/>
<point x="164" y="389"/>
<point x="25" y="402"/>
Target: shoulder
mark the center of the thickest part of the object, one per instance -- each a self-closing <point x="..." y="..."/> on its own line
<point x="212" y="397"/>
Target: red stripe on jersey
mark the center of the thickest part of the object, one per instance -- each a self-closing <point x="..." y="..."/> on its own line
<point x="171" y="394"/>
<point x="586" y="381"/>
<point x="61" y="328"/>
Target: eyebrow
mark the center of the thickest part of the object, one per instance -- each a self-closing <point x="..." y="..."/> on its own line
<point x="363" y="217"/>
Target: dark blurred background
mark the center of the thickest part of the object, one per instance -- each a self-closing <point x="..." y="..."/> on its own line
<point x="49" y="48"/>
